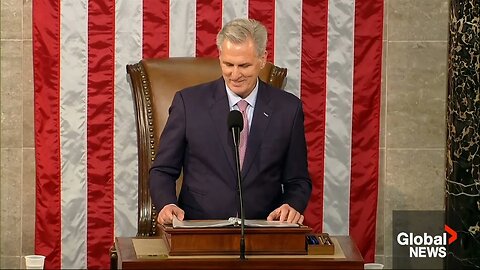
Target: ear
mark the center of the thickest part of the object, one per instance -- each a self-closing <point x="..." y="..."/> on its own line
<point x="220" y="56"/>
<point x="264" y="59"/>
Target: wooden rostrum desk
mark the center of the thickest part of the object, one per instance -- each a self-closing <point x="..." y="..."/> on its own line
<point x="260" y="255"/>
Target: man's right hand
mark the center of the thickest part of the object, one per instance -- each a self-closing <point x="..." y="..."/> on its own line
<point x="168" y="211"/>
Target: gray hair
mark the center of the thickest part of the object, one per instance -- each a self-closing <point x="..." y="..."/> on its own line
<point x="239" y="30"/>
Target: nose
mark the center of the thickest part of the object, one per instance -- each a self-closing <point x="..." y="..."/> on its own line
<point x="235" y="73"/>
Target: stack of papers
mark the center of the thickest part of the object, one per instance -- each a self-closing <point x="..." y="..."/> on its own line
<point x="231" y="222"/>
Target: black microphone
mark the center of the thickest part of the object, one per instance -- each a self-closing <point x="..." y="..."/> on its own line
<point x="235" y="124"/>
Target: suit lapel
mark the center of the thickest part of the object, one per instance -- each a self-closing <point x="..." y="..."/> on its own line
<point x="261" y="118"/>
<point x="219" y="110"/>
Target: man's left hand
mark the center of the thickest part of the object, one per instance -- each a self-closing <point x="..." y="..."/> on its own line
<point x="286" y="213"/>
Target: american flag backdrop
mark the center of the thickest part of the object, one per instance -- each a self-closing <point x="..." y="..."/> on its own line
<point x="85" y="137"/>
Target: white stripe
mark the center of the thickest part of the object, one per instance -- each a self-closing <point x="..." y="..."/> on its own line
<point x="339" y="107"/>
<point x="182" y="27"/>
<point x="234" y="9"/>
<point x="73" y="134"/>
<point x="288" y="41"/>
<point x="128" y="40"/>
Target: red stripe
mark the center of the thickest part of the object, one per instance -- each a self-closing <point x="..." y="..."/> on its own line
<point x="313" y="94"/>
<point x="209" y="22"/>
<point x="46" y="60"/>
<point x="100" y="112"/>
<point x="156" y="21"/>
<point x="365" y="125"/>
<point x="264" y="12"/>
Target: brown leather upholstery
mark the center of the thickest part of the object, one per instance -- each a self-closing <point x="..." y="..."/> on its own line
<point x="154" y="83"/>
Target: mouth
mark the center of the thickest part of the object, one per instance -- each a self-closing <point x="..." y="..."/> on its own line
<point x="237" y="83"/>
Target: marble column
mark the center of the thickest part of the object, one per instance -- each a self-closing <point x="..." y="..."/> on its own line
<point x="463" y="135"/>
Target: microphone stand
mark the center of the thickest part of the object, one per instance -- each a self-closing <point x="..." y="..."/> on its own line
<point x="236" y="140"/>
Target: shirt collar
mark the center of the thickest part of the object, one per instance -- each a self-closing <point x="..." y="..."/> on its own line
<point x="234" y="98"/>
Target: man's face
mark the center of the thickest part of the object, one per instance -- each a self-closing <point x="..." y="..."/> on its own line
<point x="240" y="66"/>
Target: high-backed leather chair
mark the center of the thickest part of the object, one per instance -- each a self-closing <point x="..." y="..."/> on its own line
<point x="154" y="83"/>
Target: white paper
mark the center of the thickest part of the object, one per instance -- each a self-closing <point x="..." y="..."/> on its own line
<point x="233" y="221"/>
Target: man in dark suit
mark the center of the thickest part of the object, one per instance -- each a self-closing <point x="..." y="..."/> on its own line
<point x="196" y="138"/>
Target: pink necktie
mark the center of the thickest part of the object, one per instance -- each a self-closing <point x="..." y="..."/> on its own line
<point x="242" y="105"/>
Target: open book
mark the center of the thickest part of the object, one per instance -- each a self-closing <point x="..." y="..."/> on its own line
<point x="231" y="222"/>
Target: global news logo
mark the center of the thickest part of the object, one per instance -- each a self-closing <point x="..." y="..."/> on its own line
<point x="425" y="245"/>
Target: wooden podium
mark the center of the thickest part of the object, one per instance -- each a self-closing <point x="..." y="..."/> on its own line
<point x="226" y="241"/>
<point x="264" y="252"/>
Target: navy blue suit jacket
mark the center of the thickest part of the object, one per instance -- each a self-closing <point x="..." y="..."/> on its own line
<point x="196" y="138"/>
